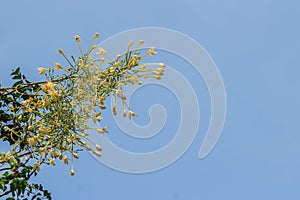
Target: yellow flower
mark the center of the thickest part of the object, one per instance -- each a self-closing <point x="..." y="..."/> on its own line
<point x="101" y="51"/>
<point x="151" y="51"/>
<point x="51" y="162"/>
<point x="77" y="38"/>
<point x="84" y="135"/>
<point x="42" y="150"/>
<point x="75" y="155"/>
<point x="102" y="106"/>
<point x="157" y="73"/>
<point x="114" y="110"/>
<point x="53" y="154"/>
<point x="42" y="70"/>
<point x="161" y="70"/>
<point x="31" y="141"/>
<point x="72" y="173"/>
<point x="20" y="117"/>
<point x="29" y="110"/>
<point x="44" y="88"/>
<point x="69" y="141"/>
<point x="157" y="77"/>
<point x="116" y="64"/>
<point x="100" y="130"/>
<point x="141" y="42"/>
<point x="88" y="148"/>
<point x="11" y="108"/>
<point x="97" y="153"/>
<point x="98" y="118"/>
<point x="73" y="137"/>
<point x="36" y="166"/>
<point x="60" y="51"/>
<point x="131" y="114"/>
<point x="52" y="93"/>
<point x="130" y="44"/>
<point x="98" y="147"/>
<point x="30" y="128"/>
<point x="65" y="159"/>
<point x="50" y="85"/>
<point x="96" y="35"/>
<point x="58" y="66"/>
<point x="43" y="129"/>
<point x="84" y="143"/>
<point x="162" y="64"/>
<point x="80" y="63"/>
<point x="111" y="69"/>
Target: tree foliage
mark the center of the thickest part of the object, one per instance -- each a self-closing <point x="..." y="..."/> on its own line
<point x="46" y="122"/>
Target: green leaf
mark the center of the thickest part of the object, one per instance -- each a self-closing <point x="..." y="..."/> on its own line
<point x="17" y="83"/>
<point x="15" y="72"/>
<point x="18" y="76"/>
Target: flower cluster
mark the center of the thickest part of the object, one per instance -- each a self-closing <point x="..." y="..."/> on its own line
<point x="47" y="121"/>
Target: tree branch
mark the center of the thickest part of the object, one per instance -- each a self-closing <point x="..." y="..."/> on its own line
<point x="33" y="83"/>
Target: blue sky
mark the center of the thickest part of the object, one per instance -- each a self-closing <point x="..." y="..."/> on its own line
<point x="255" y="45"/>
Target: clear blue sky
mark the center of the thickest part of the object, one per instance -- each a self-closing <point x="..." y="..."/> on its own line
<point x="255" y="45"/>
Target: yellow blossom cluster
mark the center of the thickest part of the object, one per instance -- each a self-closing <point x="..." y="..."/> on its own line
<point x="54" y="115"/>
